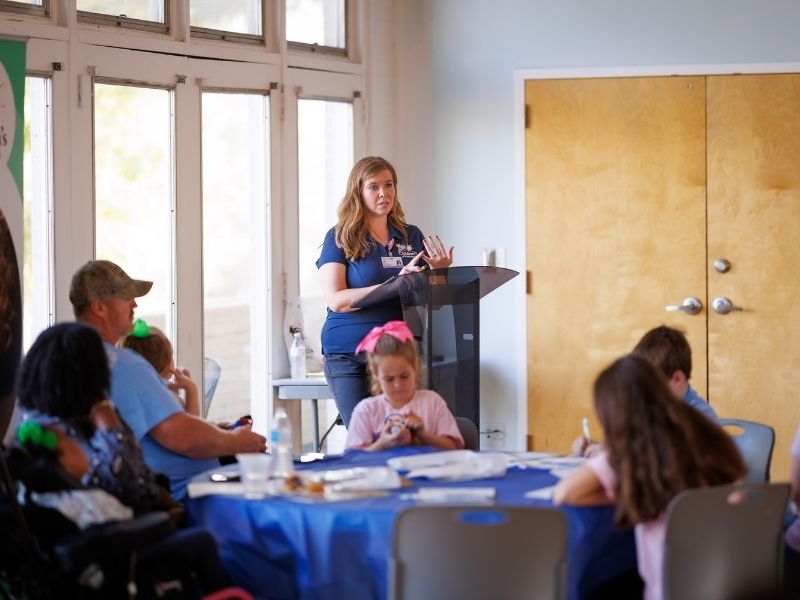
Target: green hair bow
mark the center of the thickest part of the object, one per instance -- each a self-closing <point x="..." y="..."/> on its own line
<point x="140" y="329"/>
<point x="31" y="432"/>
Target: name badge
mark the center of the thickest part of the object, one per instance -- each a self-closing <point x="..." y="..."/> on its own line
<point x="392" y="262"/>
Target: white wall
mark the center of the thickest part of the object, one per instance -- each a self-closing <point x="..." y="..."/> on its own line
<point x="456" y="122"/>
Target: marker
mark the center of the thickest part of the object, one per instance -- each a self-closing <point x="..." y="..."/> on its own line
<point x="245" y="420"/>
<point x="585" y="426"/>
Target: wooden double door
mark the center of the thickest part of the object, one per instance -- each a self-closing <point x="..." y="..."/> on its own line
<point x="636" y="188"/>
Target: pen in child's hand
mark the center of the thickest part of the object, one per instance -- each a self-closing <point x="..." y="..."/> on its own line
<point x="585" y="425"/>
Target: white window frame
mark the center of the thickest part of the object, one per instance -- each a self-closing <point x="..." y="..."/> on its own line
<point x="302" y="84"/>
<point x="124" y="54"/>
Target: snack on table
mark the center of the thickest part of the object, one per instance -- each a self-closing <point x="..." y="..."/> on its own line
<point x="292" y="482"/>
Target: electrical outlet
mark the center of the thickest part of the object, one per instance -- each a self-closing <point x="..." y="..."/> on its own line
<point x="494" y="435"/>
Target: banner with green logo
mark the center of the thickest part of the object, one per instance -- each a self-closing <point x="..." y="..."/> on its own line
<point x="12" y="137"/>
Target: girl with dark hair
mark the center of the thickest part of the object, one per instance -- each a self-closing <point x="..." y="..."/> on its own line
<point x="64" y="384"/>
<point x="655" y="447"/>
<point x="49" y="465"/>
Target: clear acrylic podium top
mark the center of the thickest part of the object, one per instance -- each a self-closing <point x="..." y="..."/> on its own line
<point x="442" y="309"/>
<point x="438" y="286"/>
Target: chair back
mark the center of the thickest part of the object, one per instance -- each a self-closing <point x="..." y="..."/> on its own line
<point x="755" y="442"/>
<point x="469" y="431"/>
<point x="211" y="373"/>
<point x="464" y="553"/>
<point x="725" y="542"/>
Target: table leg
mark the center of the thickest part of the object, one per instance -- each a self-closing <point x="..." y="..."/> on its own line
<point x="315" y="432"/>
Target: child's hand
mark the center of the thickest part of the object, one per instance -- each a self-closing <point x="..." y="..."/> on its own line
<point x="70" y="455"/>
<point x="586" y="448"/>
<point x="181" y="379"/>
<point x="392" y="436"/>
<point x="414" y="423"/>
<point x="579" y="444"/>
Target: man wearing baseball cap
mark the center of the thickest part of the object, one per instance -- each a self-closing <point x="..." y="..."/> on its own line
<point x="174" y="442"/>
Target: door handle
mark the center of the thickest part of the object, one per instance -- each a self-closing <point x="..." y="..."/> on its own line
<point x="691" y="306"/>
<point x="723" y="305"/>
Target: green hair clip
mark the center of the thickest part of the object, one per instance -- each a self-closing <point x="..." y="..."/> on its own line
<point x="140" y="329"/>
<point x="31" y="432"/>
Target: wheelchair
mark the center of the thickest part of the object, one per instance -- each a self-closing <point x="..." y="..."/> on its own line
<point x="43" y="554"/>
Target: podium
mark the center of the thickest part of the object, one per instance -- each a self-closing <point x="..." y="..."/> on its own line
<point x="442" y="309"/>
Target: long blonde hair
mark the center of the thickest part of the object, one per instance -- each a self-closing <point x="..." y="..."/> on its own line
<point x="351" y="230"/>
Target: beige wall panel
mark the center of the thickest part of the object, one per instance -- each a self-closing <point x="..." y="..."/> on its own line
<point x="754" y="222"/>
<point x="616" y="231"/>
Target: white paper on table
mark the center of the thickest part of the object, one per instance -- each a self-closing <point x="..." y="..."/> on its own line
<point x="478" y="466"/>
<point x="545" y="493"/>
<point x="529" y="456"/>
<point x="551" y="462"/>
<point x="195" y="489"/>
<point x="369" y="478"/>
<point x="434" y="459"/>
<point x="468" y="495"/>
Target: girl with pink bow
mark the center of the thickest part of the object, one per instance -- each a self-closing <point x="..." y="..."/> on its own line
<point x="399" y="414"/>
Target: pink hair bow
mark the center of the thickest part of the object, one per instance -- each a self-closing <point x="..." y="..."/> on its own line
<point x="397" y="329"/>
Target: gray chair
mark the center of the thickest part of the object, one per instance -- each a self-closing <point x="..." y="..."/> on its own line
<point x="465" y="553"/>
<point x="211" y="374"/>
<point x="755" y="442"/>
<point x="725" y="542"/>
<point x="469" y="431"/>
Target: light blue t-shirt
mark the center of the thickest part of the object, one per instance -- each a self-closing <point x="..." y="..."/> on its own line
<point x="143" y="400"/>
<point x="693" y="399"/>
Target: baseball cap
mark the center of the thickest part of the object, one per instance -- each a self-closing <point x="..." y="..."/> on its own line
<point x="101" y="278"/>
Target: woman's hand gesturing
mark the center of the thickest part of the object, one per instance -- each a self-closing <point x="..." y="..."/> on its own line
<point x="438" y="257"/>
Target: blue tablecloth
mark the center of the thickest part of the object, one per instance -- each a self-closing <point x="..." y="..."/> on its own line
<point x="286" y="548"/>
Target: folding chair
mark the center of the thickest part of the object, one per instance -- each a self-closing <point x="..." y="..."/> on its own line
<point x="755" y="442"/>
<point x="469" y="431"/>
<point x="725" y="543"/>
<point x="464" y="553"/>
<point x="212" y="370"/>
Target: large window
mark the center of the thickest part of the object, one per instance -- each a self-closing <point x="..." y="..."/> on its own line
<point x="136" y="14"/>
<point x="325" y="142"/>
<point x="324" y="159"/>
<point x="235" y="246"/>
<point x="316" y="24"/>
<point x="33" y="7"/>
<point x="38" y="210"/>
<point x="133" y="134"/>
<point x="155" y="149"/>
<point x="232" y="16"/>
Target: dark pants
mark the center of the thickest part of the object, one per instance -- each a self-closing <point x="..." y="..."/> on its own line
<point x="185" y="550"/>
<point x="791" y="574"/>
<point x="348" y="380"/>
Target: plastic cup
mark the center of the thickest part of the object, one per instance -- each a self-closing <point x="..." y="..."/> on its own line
<point x="255" y="469"/>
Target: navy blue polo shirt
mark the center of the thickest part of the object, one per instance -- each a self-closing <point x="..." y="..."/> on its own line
<point x="342" y="332"/>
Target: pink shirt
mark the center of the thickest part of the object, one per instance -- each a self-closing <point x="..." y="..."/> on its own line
<point x="792" y="535"/>
<point x="649" y="536"/>
<point x="371" y="415"/>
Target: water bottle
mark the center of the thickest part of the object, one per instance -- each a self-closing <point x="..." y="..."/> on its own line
<point x="281" y="442"/>
<point x="297" y="356"/>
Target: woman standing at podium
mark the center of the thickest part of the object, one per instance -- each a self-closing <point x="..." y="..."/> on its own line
<point x="370" y="243"/>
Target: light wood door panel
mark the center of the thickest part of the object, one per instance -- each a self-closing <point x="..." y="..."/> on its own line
<point x="615" y="184"/>
<point x="754" y="222"/>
